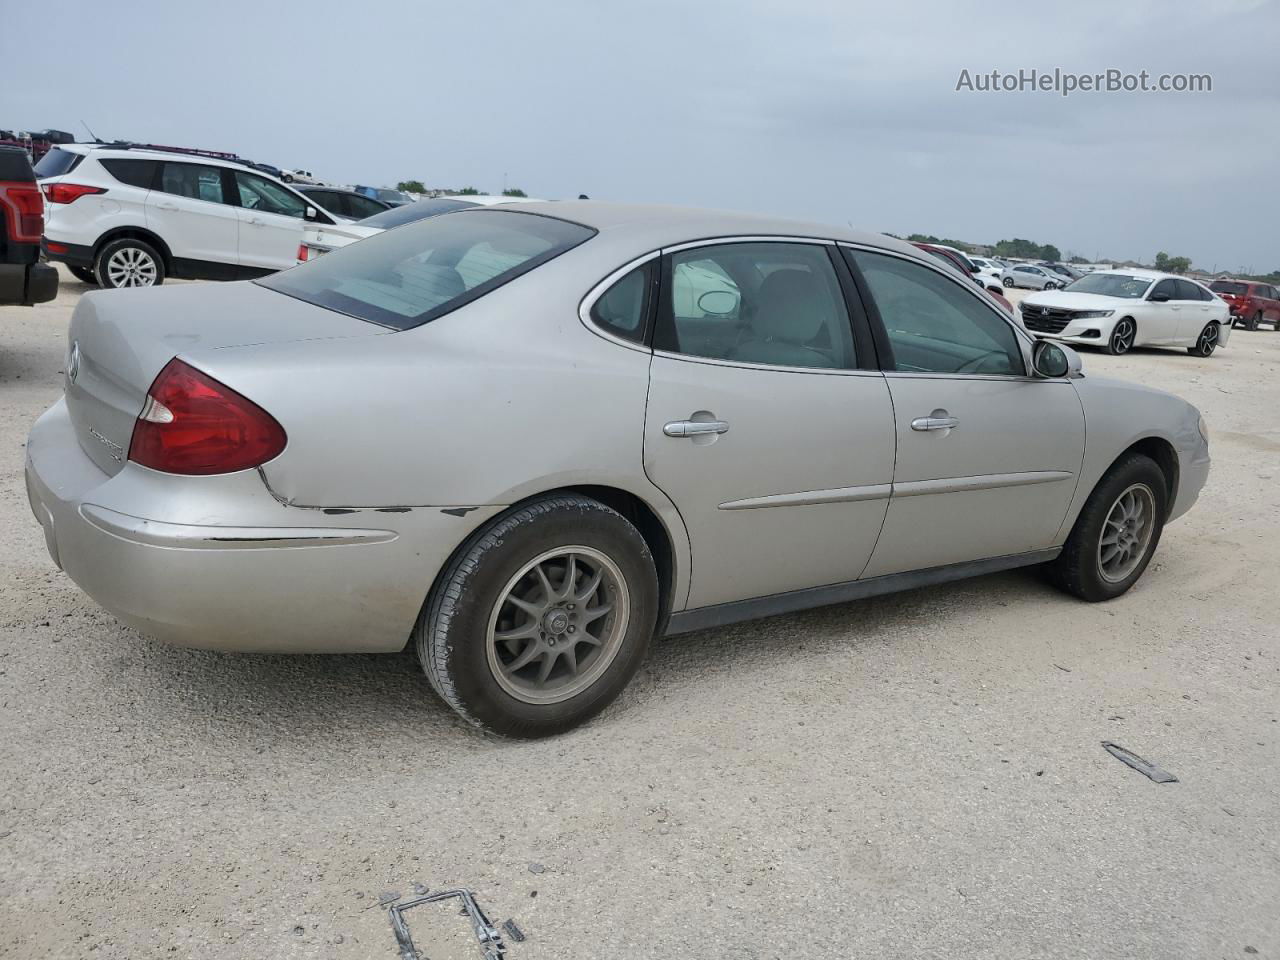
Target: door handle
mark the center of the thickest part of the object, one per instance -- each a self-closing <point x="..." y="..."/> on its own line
<point x="254" y="221"/>
<point x="694" y="428"/>
<point x="934" y="423"/>
<point x="167" y="206"/>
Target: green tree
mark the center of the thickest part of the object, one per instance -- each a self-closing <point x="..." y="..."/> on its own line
<point x="468" y="191"/>
<point x="1162" y="261"/>
<point x="1077" y="259"/>
<point x="411" y="186"/>
<point x="514" y="192"/>
<point x="1179" y="264"/>
<point x="1050" y="252"/>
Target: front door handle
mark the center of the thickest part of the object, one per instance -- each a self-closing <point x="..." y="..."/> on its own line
<point x="934" y="423"/>
<point x="694" y="428"/>
<point x="170" y="207"/>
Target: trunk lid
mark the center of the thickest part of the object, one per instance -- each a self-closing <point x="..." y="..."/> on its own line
<point x="120" y="339"/>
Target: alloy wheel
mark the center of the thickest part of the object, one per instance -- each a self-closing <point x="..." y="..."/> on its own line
<point x="1122" y="336"/>
<point x="557" y="625"/>
<point x="1208" y="340"/>
<point x="131" y="267"/>
<point x="1126" y="534"/>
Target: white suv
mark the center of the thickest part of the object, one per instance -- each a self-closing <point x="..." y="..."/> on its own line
<point x="126" y="216"/>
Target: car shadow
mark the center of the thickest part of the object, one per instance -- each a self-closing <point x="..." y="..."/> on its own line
<point x="354" y="702"/>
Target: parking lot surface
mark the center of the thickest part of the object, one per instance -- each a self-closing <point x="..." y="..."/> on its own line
<point x="919" y="775"/>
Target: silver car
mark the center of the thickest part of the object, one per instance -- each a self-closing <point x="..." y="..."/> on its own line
<point x="1032" y="277"/>
<point x="528" y="439"/>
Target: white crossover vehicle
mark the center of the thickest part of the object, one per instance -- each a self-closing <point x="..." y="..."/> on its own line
<point x="125" y="216"/>
<point x="319" y="238"/>
<point x="1030" y="276"/>
<point x="988" y="269"/>
<point x="526" y="439"/>
<point x="1122" y="309"/>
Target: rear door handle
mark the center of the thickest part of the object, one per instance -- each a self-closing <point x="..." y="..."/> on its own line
<point x="934" y="423"/>
<point x="694" y="428"/>
<point x="167" y="206"/>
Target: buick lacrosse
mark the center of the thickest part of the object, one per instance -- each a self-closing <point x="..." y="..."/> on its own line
<point x="527" y="439"/>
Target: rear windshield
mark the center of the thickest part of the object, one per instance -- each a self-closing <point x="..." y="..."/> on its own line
<point x="394" y="196"/>
<point x="1110" y="285"/>
<point x="413" y="211"/>
<point x="1227" y="286"/>
<point x="57" y="162"/>
<point x="407" y="277"/>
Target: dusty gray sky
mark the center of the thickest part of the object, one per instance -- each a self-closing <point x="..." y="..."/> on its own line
<point x="836" y="111"/>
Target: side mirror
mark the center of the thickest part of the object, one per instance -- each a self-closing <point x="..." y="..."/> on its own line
<point x="311" y="215"/>
<point x="1054" y="360"/>
<point x="1158" y="298"/>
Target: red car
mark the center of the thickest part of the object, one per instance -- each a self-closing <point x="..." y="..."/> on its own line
<point x="962" y="263"/>
<point x="1251" y="302"/>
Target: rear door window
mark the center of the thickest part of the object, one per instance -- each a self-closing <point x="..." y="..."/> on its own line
<point x="194" y="180"/>
<point x="623" y="309"/>
<point x="1187" y="290"/>
<point x="410" y="276"/>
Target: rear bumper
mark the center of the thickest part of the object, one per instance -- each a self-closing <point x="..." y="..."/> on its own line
<point x="25" y="284"/>
<point x="75" y="254"/>
<point x="218" y="563"/>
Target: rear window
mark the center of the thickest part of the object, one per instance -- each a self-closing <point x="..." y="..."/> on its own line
<point x="1227" y="286"/>
<point x="57" y="162"/>
<point x="405" y="278"/>
<point x="414" y="211"/>
<point x="136" y="173"/>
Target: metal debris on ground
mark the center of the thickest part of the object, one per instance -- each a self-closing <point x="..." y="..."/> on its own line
<point x="487" y="935"/>
<point x="1135" y="761"/>
<point x="514" y="932"/>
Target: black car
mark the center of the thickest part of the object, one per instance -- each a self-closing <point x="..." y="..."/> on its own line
<point x="24" y="280"/>
<point x="342" y="203"/>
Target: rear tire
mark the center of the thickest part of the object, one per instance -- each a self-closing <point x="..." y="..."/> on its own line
<point x="503" y="610"/>
<point x="1007" y="281"/>
<point x="1255" y="321"/>
<point x="84" y="274"/>
<point x="1207" y="343"/>
<point x="128" y="263"/>
<point x="1089" y="568"/>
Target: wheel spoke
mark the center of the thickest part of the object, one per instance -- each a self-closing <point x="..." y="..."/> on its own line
<point x="589" y="590"/>
<point x="570" y="656"/>
<point x="533" y="609"/>
<point x="546" y="583"/>
<point x="527" y="630"/>
<point x="570" y="575"/>
<point x="531" y="653"/>
<point x="595" y="613"/>
<point x="548" y="662"/>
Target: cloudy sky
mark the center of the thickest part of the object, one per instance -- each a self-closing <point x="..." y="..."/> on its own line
<point x="836" y="111"/>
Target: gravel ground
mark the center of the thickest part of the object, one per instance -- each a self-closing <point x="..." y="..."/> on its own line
<point x="914" y="776"/>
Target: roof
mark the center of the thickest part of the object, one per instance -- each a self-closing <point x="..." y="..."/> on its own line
<point x="657" y="225"/>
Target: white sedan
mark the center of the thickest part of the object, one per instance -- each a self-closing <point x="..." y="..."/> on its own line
<point x="1031" y="276"/>
<point x="320" y="238"/>
<point x="1122" y="309"/>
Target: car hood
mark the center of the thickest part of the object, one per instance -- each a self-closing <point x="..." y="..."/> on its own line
<point x="1067" y="300"/>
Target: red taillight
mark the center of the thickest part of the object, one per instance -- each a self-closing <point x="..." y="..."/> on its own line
<point x="68" y="192"/>
<point x="25" y="216"/>
<point x="302" y="252"/>
<point x="193" y="424"/>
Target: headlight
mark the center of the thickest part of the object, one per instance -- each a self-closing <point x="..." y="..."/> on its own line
<point x="1093" y="314"/>
<point x="1204" y="429"/>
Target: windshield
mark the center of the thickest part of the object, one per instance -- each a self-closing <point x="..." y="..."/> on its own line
<point x="394" y="196"/>
<point x="1111" y="285"/>
<point x="1229" y="286"/>
<point x="407" y="277"/>
<point x="57" y="162"/>
<point x="410" y="212"/>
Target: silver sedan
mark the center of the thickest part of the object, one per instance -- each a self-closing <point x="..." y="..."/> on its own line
<point x="1030" y="276"/>
<point x="529" y="439"/>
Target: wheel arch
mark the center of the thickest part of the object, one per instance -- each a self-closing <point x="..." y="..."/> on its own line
<point x="1162" y="452"/>
<point x="647" y="519"/>
<point x="135" y="233"/>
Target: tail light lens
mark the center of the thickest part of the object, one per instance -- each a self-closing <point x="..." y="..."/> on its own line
<point x="69" y="192"/>
<point x="25" y="216"/>
<point x="302" y="252"/>
<point x="192" y="424"/>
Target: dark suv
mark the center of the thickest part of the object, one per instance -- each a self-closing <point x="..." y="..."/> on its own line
<point x="1251" y="303"/>
<point x="24" y="280"/>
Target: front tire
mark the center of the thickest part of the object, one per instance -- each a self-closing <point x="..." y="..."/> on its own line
<point x="541" y="619"/>
<point x="84" y="274"/>
<point x="128" y="263"/>
<point x="1206" y="343"/>
<point x="1007" y="281"/>
<point x="1123" y="336"/>
<point x="1116" y="533"/>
